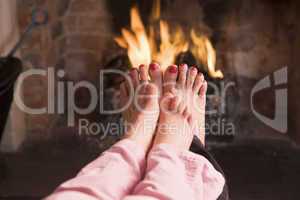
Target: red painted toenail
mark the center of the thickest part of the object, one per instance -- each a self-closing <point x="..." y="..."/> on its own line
<point x="173" y="69"/>
<point x="194" y="68"/>
<point x="153" y="66"/>
<point x="132" y="70"/>
<point x="142" y="65"/>
<point x="182" y="66"/>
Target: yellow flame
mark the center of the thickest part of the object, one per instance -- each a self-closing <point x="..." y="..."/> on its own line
<point x="204" y="51"/>
<point x="136" y="42"/>
<point x="171" y="45"/>
<point x="143" y="48"/>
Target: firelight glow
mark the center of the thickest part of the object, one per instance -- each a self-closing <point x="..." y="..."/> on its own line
<point x="143" y="48"/>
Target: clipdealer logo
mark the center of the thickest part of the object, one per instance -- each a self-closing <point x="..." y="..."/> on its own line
<point x="279" y="122"/>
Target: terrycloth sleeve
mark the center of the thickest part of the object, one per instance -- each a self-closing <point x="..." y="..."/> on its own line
<point x="110" y="177"/>
<point x="172" y="175"/>
<point x="117" y="174"/>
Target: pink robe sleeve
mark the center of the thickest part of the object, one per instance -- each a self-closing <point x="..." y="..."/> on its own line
<point x="118" y="175"/>
<point x="110" y="177"/>
<point x="172" y="175"/>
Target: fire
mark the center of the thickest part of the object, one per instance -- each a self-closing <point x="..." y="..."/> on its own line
<point x="205" y="52"/>
<point x="136" y="42"/>
<point x="171" y="45"/>
<point x="143" y="48"/>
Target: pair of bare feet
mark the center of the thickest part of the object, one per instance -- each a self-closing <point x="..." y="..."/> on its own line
<point x="169" y="108"/>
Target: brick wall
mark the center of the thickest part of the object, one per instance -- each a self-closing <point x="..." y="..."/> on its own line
<point x="75" y="40"/>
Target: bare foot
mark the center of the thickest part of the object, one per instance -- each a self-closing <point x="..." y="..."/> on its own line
<point x="192" y="86"/>
<point x="175" y="125"/>
<point x="142" y="114"/>
<point x="189" y="88"/>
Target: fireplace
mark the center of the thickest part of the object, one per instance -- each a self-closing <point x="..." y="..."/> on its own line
<point x="247" y="51"/>
<point x="228" y="43"/>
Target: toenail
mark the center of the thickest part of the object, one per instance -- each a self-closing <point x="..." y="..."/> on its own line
<point x="141" y="66"/>
<point x="182" y="66"/>
<point x="201" y="76"/>
<point x="132" y="70"/>
<point x="194" y="68"/>
<point x="173" y="69"/>
<point x="153" y="66"/>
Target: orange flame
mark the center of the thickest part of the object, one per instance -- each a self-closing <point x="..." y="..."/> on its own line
<point x="143" y="48"/>
<point x="204" y="51"/>
<point x="136" y="42"/>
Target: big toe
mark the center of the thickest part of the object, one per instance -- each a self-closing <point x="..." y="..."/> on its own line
<point x="151" y="90"/>
<point x="149" y="96"/>
<point x="170" y="77"/>
<point x="166" y="101"/>
<point x="156" y="76"/>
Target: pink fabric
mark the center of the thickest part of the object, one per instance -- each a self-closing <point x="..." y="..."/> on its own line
<point x="121" y="173"/>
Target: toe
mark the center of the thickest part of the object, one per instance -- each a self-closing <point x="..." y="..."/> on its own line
<point x="190" y="120"/>
<point x="123" y="90"/>
<point x="151" y="89"/>
<point x="165" y="101"/>
<point x="149" y="96"/>
<point x="128" y="86"/>
<point x="185" y="112"/>
<point x="170" y="77"/>
<point x="198" y="83"/>
<point x="192" y="73"/>
<point x="183" y="68"/>
<point x="123" y="94"/>
<point x="173" y="106"/>
<point x="143" y="73"/>
<point x="134" y="75"/>
<point x="156" y="75"/>
<point x="181" y="107"/>
<point x="203" y="89"/>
